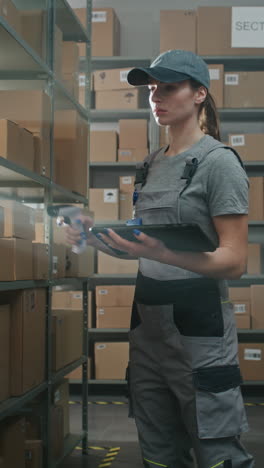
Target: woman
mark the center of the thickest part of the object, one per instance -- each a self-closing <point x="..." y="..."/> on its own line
<point x="184" y="376"/>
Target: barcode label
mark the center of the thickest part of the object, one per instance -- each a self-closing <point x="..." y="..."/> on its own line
<point x="55" y="265"/>
<point x="99" y="16"/>
<point x="110" y="196"/>
<point x="81" y="80"/>
<point x="214" y="73"/>
<point x="238" y="140"/>
<point x="101" y="346"/>
<point x="240" y="308"/>
<point x="125" y="153"/>
<point x="126" y="180"/>
<point x="252" y="354"/>
<point x="101" y="312"/>
<point x="77" y="296"/>
<point x="103" y="292"/>
<point x="123" y="75"/>
<point x="231" y="79"/>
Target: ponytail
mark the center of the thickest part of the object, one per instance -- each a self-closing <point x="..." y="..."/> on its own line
<point x="207" y="115"/>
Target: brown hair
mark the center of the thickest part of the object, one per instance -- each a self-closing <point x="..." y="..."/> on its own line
<point x="208" y="116"/>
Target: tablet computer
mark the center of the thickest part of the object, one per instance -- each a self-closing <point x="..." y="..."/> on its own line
<point x="183" y="237"/>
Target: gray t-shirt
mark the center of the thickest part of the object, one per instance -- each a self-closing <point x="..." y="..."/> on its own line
<point x="219" y="187"/>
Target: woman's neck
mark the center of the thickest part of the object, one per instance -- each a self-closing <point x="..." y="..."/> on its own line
<point x="182" y="138"/>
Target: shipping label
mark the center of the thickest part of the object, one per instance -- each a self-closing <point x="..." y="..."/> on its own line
<point x="232" y="79"/>
<point x="99" y="16"/>
<point x="126" y="180"/>
<point x="214" y="73"/>
<point x="240" y="308"/>
<point x="238" y="140"/>
<point x="110" y="196"/>
<point x="252" y="354"/>
<point x="103" y="292"/>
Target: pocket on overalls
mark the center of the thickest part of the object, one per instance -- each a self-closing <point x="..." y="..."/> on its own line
<point x="219" y="404"/>
<point x="198" y="313"/>
<point x="159" y="207"/>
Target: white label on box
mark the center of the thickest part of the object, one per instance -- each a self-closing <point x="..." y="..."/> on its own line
<point x="238" y="140"/>
<point x="101" y="346"/>
<point x="77" y="296"/>
<point x="214" y="73"/>
<point x="57" y="396"/>
<point x="103" y="292"/>
<point x="252" y="354"/>
<point x="123" y="75"/>
<point x="101" y="312"/>
<point x="231" y="79"/>
<point x="247" y="27"/>
<point x="110" y="196"/>
<point x="240" y="308"/>
<point x="125" y="153"/>
<point x="99" y="16"/>
<point x="43" y="170"/>
<point x="55" y="265"/>
<point x="81" y="80"/>
<point x="126" y="180"/>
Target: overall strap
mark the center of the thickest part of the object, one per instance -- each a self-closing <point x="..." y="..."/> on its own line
<point x="143" y="167"/>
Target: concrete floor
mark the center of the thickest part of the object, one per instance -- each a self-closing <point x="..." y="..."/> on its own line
<point x="109" y="426"/>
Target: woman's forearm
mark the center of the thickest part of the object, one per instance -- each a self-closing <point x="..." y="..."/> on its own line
<point x="223" y="263"/>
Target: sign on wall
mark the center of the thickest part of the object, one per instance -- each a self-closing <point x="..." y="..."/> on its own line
<point x="247" y="27"/>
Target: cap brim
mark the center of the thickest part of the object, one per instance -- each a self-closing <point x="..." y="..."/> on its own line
<point x="141" y="76"/>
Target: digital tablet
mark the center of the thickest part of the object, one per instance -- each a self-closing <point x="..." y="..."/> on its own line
<point x="184" y="237"/>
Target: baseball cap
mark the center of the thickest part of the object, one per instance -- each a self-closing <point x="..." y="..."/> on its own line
<point x="170" y="67"/>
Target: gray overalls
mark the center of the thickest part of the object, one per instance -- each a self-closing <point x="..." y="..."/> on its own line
<point x="184" y="378"/>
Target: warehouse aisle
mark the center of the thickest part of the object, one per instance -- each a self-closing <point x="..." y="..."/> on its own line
<point x="109" y="428"/>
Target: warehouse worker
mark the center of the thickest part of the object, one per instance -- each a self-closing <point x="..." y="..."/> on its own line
<point x="184" y="376"/>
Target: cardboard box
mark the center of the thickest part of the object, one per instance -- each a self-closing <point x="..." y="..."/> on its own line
<point x="248" y="145"/>
<point x="40" y="253"/>
<point x="114" y="296"/>
<point x="215" y="22"/>
<point x="111" y="79"/>
<point x="243" y="89"/>
<point x="11" y="14"/>
<point x="70" y="57"/>
<point x="16" y="259"/>
<point x="40" y="232"/>
<point x="41" y="155"/>
<point x="104" y="203"/>
<point x="111" y="360"/>
<point x="81" y="14"/>
<point x="240" y="298"/>
<point x="113" y="317"/>
<point x="105" y="33"/>
<point x="71" y="83"/>
<point x="9" y="141"/>
<point x="28" y="321"/>
<point x="34" y="453"/>
<point x="76" y="374"/>
<point x="12" y="442"/>
<point x="4" y="352"/>
<point x="19" y="220"/>
<point x="251" y="359"/>
<point x="103" y="146"/>
<point x="177" y="30"/>
<point x="26" y="149"/>
<point x="2" y="221"/>
<point x="68" y="125"/>
<point x="59" y="261"/>
<point x="114" y="266"/>
<point x="72" y="300"/>
<point x="217" y="83"/>
<point x="61" y="397"/>
<point x="254" y="259"/>
<point x="80" y="266"/>
<point x="30" y="109"/>
<point x="67" y="332"/>
<point x="126" y="184"/>
<point x="121" y="99"/>
<point x="57" y="432"/>
<point x="133" y="133"/>
<point x="34" y="30"/>
<point x="256" y="202"/>
<point x="125" y="205"/>
<point x="72" y="178"/>
<point x="257" y="314"/>
<point x="134" y="155"/>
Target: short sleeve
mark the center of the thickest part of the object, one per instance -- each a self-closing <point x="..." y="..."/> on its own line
<point x="227" y="186"/>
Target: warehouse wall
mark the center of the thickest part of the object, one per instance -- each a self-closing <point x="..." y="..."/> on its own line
<point x="140" y="19"/>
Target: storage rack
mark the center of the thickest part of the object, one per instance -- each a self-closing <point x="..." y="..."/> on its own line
<point x="256" y="228"/>
<point x="20" y="62"/>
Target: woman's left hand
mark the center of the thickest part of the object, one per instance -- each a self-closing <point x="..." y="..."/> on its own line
<point x="147" y="247"/>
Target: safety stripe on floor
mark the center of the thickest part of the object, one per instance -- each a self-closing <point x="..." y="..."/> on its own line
<point x="120" y="403"/>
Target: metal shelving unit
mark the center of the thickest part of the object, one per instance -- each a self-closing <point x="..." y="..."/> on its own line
<point x="19" y="61"/>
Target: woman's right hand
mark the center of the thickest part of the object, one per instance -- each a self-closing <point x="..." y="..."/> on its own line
<point x="72" y="235"/>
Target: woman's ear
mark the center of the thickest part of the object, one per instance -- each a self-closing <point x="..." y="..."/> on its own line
<point x="201" y="94"/>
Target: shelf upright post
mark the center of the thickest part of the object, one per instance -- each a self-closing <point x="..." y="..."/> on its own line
<point x="85" y="370"/>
